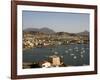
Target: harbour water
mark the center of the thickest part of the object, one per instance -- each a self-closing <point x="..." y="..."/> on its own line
<point x="72" y="55"/>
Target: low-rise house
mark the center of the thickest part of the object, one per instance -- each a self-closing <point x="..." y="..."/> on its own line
<point x="46" y="64"/>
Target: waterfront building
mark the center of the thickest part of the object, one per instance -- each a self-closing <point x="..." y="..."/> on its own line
<point x="56" y="60"/>
<point x="46" y="64"/>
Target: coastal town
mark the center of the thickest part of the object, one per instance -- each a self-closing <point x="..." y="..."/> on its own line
<point x="55" y="39"/>
<point x="39" y="39"/>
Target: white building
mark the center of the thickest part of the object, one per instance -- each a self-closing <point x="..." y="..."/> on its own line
<point x="56" y="61"/>
<point x="46" y="64"/>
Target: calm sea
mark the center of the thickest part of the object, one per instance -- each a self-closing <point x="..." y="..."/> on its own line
<point x="73" y="54"/>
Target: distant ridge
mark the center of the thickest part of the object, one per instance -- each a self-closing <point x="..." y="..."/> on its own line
<point x="46" y="30"/>
<point x="83" y="33"/>
<point x="43" y="30"/>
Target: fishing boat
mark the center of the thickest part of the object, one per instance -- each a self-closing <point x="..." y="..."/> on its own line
<point x="66" y="51"/>
<point x="75" y="57"/>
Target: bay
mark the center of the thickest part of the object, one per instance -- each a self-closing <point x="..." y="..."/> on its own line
<point x="73" y="54"/>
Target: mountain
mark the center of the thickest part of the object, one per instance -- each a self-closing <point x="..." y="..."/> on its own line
<point x="43" y="30"/>
<point x="46" y="30"/>
<point x="30" y="29"/>
<point x="84" y="33"/>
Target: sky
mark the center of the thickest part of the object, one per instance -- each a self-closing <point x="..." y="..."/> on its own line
<point x="57" y="21"/>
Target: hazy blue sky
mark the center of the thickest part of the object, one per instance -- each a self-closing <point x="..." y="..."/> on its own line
<point x="60" y="21"/>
